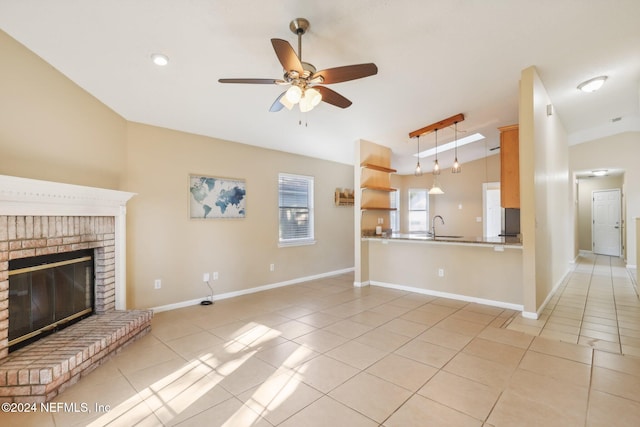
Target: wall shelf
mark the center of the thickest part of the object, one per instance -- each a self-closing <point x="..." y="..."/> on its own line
<point x="377" y="168"/>
<point x="376" y="208"/>
<point x="378" y="188"/>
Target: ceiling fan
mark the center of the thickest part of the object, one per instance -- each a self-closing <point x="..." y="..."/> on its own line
<point x="302" y="78"/>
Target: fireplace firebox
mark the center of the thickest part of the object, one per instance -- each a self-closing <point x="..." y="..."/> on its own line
<point x="48" y="293"/>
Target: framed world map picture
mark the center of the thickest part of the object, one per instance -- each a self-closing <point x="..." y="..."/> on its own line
<point x="211" y="197"/>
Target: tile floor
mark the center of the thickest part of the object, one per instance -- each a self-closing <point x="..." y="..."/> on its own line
<point x="323" y="353"/>
<point x="596" y="306"/>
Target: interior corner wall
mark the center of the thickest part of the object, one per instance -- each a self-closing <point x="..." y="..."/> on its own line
<point x="51" y="129"/>
<point x="164" y="243"/>
<point x="620" y="151"/>
<point x="547" y="210"/>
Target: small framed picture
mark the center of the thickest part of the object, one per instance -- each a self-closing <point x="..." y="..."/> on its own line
<point x="215" y="198"/>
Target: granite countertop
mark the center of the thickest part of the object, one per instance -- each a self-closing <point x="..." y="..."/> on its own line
<point x="512" y="241"/>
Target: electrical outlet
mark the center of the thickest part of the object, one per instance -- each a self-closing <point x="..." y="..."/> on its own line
<point x="272" y="267"/>
<point x="441" y="272"/>
<point x="205" y="277"/>
<point x="157" y="284"/>
<point x="215" y="275"/>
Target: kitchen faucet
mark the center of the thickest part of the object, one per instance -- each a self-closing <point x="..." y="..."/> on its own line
<point x="433" y="225"/>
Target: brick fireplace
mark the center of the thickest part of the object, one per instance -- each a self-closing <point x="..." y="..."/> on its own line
<point x="40" y="218"/>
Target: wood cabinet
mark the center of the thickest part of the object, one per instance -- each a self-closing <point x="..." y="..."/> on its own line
<point x="509" y="167"/>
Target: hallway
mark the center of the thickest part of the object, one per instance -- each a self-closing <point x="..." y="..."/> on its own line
<point x="596" y="306"/>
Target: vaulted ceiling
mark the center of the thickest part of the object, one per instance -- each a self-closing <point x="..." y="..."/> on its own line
<point x="436" y="58"/>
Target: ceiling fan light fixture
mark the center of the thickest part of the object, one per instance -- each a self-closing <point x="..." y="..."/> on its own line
<point x="285" y="101"/>
<point x="314" y="95"/>
<point x="294" y="94"/>
<point x="593" y="84"/>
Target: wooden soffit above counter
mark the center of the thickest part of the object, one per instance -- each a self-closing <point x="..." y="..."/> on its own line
<point x="437" y="126"/>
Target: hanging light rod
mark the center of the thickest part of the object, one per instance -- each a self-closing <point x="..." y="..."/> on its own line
<point x="439" y="125"/>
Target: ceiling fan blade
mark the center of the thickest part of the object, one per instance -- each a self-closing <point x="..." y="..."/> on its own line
<point x="277" y="105"/>
<point x="252" y="81"/>
<point x="287" y="56"/>
<point x="332" y="97"/>
<point x="346" y="73"/>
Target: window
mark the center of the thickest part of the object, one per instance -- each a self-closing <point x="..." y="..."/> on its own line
<point x="295" y="202"/>
<point x="418" y="210"/>
<point x="394" y="216"/>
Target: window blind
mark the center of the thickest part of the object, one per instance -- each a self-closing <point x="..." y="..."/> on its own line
<point x="295" y="201"/>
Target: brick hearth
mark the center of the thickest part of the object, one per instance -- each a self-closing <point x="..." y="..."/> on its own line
<point x="38" y="372"/>
<point x="43" y="217"/>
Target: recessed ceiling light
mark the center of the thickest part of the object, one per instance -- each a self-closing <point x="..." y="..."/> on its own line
<point x="593" y="84"/>
<point x="601" y="172"/>
<point x="159" y="59"/>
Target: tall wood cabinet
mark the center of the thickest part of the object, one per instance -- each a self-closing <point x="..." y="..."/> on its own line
<point x="509" y="167"/>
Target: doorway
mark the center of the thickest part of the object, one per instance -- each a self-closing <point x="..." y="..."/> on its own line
<point x="607" y="218"/>
<point x="492" y="224"/>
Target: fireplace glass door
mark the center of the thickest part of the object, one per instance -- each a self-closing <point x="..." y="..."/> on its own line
<point x="46" y="293"/>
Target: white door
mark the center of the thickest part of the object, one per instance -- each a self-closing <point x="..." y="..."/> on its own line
<point x="606" y="233"/>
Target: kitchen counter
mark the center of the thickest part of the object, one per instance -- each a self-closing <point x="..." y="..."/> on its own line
<point x="507" y="241"/>
<point x="483" y="270"/>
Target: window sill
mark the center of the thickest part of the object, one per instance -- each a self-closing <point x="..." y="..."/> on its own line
<point x="296" y="243"/>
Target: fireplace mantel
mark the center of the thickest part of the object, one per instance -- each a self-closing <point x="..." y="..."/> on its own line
<point x="31" y="197"/>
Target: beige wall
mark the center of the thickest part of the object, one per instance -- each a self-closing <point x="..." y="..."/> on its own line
<point x="463" y="189"/>
<point x="53" y="130"/>
<point x="547" y="211"/>
<point x="586" y="186"/>
<point x="619" y="151"/>
<point x="165" y="244"/>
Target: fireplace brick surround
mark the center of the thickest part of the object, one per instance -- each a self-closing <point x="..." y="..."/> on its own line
<point x="40" y="218"/>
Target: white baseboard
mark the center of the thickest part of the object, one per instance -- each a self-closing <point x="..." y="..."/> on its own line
<point x="536" y="315"/>
<point x="361" y="284"/>
<point x="227" y="295"/>
<point x="500" y="304"/>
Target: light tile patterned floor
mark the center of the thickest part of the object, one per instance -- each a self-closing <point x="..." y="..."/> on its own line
<point x="324" y="353"/>
<point x="596" y="306"/>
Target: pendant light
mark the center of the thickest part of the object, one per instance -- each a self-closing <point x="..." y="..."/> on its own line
<point x="418" y="171"/>
<point x="435" y="188"/>
<point x="436" y="166"/>
<point x="456" y="165"/>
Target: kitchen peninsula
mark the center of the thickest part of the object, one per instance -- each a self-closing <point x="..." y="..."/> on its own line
<point x="487" y="270"/>
<point x="484" y="270"/>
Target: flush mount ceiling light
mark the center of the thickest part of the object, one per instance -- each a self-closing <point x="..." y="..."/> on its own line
<point x="160" y="59"/>
<point x="600" y="172"/>
<point x="593" y="84"/>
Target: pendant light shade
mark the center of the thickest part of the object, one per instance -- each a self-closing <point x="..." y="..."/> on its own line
<point x="456" y="165"/>
<point x="418" y="171"/>
<point x="435" y="188"/>
<point x="436" y="166"/>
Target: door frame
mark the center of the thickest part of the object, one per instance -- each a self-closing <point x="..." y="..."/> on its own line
<point x="620" y="220"/>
